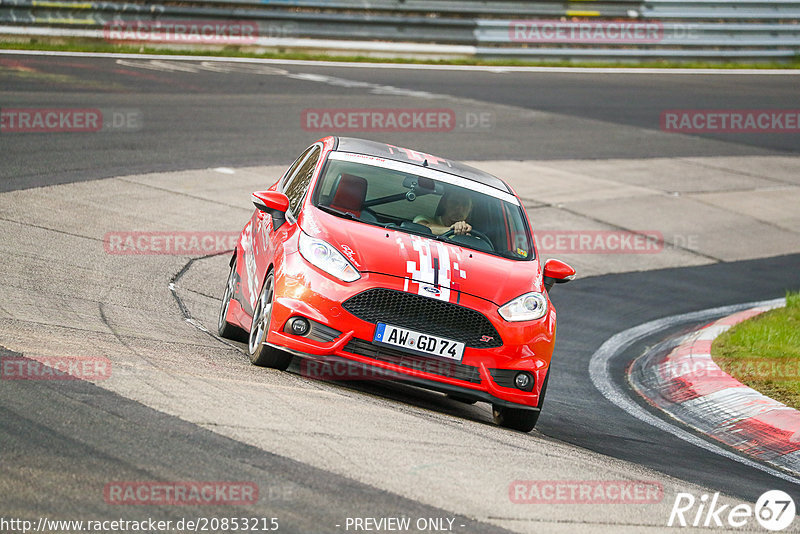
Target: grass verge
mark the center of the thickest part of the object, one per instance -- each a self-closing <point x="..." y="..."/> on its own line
<point x="80" y="45"/>
<point x="764" y="352"/>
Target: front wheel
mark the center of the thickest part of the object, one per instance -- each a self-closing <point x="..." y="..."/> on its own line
<point x="261" y="354"/>
<point x="517" y="418"/>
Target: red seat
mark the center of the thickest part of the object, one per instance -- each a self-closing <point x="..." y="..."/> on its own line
<point x="350" y="194"/>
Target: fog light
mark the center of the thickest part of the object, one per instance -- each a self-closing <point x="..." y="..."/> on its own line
<point x="523" y="381"/>
<point x="300" y="326"/>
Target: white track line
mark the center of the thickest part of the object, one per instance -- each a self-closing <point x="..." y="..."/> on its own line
<point x="414" y="66"/>
<point x="601" y="378"/>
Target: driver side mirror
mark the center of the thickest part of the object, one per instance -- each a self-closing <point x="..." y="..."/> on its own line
<point x="557" y="272"/>
<point x="273" y="203"/>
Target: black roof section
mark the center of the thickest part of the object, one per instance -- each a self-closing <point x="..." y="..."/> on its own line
<point x="415" y="157"/>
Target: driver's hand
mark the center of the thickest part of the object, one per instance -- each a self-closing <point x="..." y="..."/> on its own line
<point x="461" y="228"/>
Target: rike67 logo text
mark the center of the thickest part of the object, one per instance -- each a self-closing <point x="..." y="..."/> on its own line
<point x="774" y="510"/>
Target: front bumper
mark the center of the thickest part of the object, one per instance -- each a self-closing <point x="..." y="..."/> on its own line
<point x="484" y="374"/>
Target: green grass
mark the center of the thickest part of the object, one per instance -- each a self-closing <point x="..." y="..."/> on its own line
<point x="764" y="352"/>
<point x="83" y="45"/>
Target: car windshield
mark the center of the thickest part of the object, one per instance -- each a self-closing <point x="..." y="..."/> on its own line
<point x="423" y="201"/>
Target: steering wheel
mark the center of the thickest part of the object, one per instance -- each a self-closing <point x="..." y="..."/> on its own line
<point x="474" y="233"/>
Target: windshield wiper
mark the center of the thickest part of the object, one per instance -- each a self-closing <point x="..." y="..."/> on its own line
<point x="334" y="211"/>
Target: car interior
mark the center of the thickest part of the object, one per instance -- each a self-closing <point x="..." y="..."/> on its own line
<point x="392" y="199"/>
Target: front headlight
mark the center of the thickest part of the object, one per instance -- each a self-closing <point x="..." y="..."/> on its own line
<point x="322" y="255"/>
<point x="527" y="307"/>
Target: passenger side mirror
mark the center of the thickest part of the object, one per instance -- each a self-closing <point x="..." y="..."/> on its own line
<point x="273" y="203"/>
<point x="557" y="272"/>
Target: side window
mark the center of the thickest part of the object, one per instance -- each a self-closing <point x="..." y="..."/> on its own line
<point x="289" y="173"/>
<point x="517" y="237"/>
<point x="297" y="183"/>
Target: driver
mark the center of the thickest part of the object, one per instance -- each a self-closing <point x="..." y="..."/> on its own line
<point x="451" y="214"/>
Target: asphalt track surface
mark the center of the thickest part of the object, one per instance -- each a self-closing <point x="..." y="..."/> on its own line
<point x="249" y="114"/>
<point x="633" y="299"/>
<point x="62" y="443"/>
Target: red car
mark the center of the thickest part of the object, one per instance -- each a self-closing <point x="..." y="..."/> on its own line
<point x="397" y="261"/>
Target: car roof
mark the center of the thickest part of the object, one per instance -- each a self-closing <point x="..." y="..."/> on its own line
<point x="387" y="151"/>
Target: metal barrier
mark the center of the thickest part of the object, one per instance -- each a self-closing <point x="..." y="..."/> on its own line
<point x="615" y="29"/>
<point x="761" y="10"/>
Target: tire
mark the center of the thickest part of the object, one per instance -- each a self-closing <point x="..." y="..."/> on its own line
<point x="517" y="418"/>
<point x="261" y="354"/>
<point x="224" y="328"/>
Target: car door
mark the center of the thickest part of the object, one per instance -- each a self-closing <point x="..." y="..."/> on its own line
<point x="267" y="242"/>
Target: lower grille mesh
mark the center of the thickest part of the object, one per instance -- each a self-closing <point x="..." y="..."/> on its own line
<point x="435" y="366"/>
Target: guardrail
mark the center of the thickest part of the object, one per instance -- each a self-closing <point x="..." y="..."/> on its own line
<point x="788" y="10"/>
<point x="616" y="29"/>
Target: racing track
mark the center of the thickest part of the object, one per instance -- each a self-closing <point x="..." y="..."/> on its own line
<point x="181" y="405"/>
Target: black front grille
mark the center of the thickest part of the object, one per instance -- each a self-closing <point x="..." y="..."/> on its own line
<point x="424" y="314"/>
<point x="504" y="377"/>
<point x="434" y="366"/>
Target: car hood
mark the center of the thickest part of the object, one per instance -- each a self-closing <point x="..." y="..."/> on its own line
<point x="429" y="267"/>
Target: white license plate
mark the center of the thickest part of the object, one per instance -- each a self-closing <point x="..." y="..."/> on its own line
<point x="417" y="342"/>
